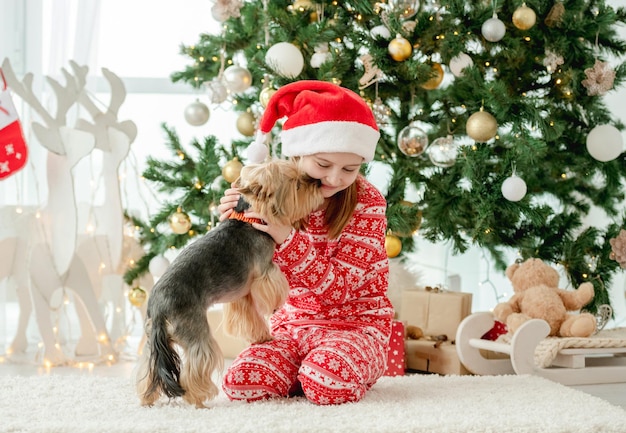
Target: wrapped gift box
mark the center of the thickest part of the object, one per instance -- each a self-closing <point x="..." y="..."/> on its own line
<point x="395" y="352"/>
<point x="437" y="313"/>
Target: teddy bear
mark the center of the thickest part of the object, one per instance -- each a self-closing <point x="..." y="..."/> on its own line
<point x="537" y="296"/>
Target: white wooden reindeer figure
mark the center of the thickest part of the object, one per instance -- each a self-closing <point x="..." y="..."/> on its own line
<point x="107" y="252"/>
<point x="52" y="259"/>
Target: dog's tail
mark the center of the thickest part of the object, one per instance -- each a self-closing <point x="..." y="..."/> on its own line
<point x="163" y="362"/>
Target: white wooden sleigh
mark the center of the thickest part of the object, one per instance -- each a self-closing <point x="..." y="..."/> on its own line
<point x="570" y="361"/>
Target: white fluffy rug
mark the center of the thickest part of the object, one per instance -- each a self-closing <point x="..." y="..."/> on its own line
<point x="415" y="403"/>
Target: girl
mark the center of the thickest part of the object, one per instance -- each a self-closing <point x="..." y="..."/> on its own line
<point x="331" y="336"/>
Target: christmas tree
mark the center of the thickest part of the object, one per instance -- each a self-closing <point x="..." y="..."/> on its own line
<point x="493" y="125"/>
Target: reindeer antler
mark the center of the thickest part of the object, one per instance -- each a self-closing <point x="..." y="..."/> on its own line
<point x="51" y="136"/>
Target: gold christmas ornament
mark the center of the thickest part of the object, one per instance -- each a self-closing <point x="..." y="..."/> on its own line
<point x="137" y="296"/>
<point x="524" y="17"/>
<point x="265" y="95"/>
<point x="555" y="16"/>
<point x="231" y="170"/>
<point x="393" y="245"/>
<point x="180" y="223"/>
<point x="437" y="77"/>
<point x="399" y="48"/>
<point x="245" y="124"/>
<point x="481" y="126"/>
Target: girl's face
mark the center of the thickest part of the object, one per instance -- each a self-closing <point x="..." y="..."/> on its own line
<point x="336" y="171"/>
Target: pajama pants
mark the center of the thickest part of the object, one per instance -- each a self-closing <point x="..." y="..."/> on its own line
<point x="329" y="366"/>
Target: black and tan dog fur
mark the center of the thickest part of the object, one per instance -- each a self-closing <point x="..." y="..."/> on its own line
<point x="231" y="264"/>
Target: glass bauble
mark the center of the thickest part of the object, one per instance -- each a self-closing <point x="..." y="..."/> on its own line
<point x="412" y="141"/>
<point x="443" y="151"/>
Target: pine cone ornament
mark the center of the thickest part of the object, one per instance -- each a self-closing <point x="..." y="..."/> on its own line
<point x="618" y="248"/>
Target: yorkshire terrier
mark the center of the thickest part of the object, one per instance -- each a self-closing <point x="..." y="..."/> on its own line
<point x="231" y="264"/>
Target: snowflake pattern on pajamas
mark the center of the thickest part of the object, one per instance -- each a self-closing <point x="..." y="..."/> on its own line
<point x="332" y="334"/>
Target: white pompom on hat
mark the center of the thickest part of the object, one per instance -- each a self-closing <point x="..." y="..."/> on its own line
<point x="321" y="118"/>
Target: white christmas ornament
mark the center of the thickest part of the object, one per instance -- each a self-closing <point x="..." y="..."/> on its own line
<point x="238" y="79"/>
<point x="380" y="32"/>
<point x="216" y="90"/>
<point x="285" y="59"/>
<point x="460" y="62"/>
<point x="197" y="113"/>
<point x="493" y="29"/>
<point x="158" y="265"/>
<point x="320" y="56"/>
<point x="513" y="188"/>
<point x="605" y="143"/>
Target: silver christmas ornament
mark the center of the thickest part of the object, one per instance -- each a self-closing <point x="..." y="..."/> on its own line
<point x="493" y="29"/>
<point x="238" y="79"/>
<point x="197" y="113"/>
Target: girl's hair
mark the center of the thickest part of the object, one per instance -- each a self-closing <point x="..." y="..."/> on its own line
<point x="340" y="209"/>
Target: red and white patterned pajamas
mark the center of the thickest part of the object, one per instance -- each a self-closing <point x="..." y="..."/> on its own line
<point x="331" y="336"/>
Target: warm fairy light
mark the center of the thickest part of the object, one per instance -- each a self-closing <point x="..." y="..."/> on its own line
<point x="558" y="81"/>
<point x="102" y="266"/>
<point x="47" y="364"/>
<point x="38" y="215"/>
<point x="152" y="230"/>
<point x="111" y="358"/>
<point x="527" y="38"/>
<point x="487" y="231"/>
<point x="90" y="228"/>
<point x="131" y="262"/>
<point x="563" y="176"/>
<point x="102" y="338"/>
<point x="55" y="330"/>
<point x="487" y="63"/>
<point x="181" y="155"/>
<point x="196" y="78"/>
<point x="57" y="346"/>
<point x="19" y="210"/>
<point x="201" y="58"/>
<point x="198" y="185"/>
<point x="585" y="276"/>
<point x="455" y="33"/>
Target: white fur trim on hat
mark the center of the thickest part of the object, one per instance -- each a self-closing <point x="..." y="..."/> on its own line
<point x="329" y="137"/>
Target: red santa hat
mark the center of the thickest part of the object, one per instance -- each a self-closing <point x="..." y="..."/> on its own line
<point x="321" y="117"/>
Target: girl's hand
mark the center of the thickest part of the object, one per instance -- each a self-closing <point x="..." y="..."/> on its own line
<point x="228" y="203"/>
<point x="278" y="232"/>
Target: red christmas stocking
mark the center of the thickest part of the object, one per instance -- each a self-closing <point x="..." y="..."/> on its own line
<point x="13" y="150"/>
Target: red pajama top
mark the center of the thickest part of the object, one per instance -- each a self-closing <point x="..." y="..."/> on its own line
<point x="339" y="283"/>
